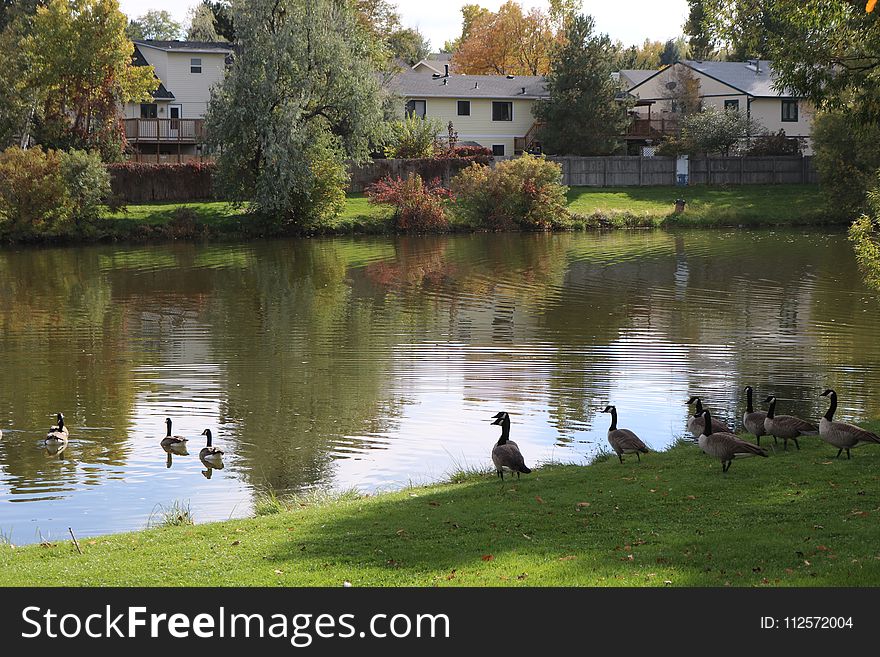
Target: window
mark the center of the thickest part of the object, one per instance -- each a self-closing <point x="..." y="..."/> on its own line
<point x="195" y="65"/>
<point x="502" y="111"/>
<point x="789" y="110"/>
<point x="417" y="107"/>
<point x="498" y="150"/>
<point x="464" y="108"/>
<point x="731" y="105"/>
<point x="149" y="111"/>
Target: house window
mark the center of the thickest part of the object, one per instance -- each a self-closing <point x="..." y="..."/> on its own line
<point x="195" y="65"/>
<point x="149" y="110"/>
<point x="789" y="110"/>
<point x="417" y="107"/>
<point x="502" y="111"/>
<point x="498" y="150"/>
<point x="731" y="105"/>
<point x="464" y="108"/>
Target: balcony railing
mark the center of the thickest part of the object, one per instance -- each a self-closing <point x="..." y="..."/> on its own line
<point x="187" y="131"/>
<point x="652" y="127"/>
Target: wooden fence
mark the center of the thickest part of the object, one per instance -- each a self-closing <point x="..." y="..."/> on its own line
<point x="635" y="171"/>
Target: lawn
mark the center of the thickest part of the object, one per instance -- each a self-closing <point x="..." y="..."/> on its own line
<point x="797" y="518"/>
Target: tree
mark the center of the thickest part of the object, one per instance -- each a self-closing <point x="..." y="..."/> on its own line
<point x="223" y="22"/>
<point x="301" y="97"/>
<point x="70" y="66"/>
<point x="470" y="14"/>
<point x="717" y="131"/>
<point x="697" y="28"/>
<point x="409" y="45"/>
<point x="673" y="51"/>
<point x="154" y="24"/>
<point x="508" y="42"/>
<point x="682" y="91"/>
<point x="9" y="9"/>
<point x="202" y="24"/>
<point x="581" y="115"/>
<point x="635" y="57"/>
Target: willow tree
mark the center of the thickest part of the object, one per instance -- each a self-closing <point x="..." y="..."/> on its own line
<point x="300" y="98"/>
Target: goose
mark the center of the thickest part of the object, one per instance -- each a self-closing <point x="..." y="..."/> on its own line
<point x="58" y="433"/>
<point x="169" y="440"/>
<point x="506" y="454"/>
<point x="842" y="435"/>
<point x="213" y="455"/>
<point x="623" y="441"/>
<point x="695" y="421"/>
<point x="787" y="427"/>
<point x="753" y="420"/>
<point x="723" y="445"/>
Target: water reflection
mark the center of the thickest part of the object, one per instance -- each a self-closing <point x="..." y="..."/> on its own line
<point x="372" y="362"/>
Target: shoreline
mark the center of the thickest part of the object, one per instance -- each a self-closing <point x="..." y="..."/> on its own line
<point x="672" y="519"/>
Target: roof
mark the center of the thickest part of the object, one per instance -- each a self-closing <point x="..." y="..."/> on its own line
<point x="755" y="78"/>
<point x="161" y="93"/>
<point x="412" y="84"/>
<point x="436" y="62"/>
<point x="219" y="47"/>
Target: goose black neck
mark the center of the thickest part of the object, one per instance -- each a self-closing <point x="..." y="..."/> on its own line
<point x="209" y="437"/>
<point x="749" y="407"/>
<point x="831" y="409"/>
<point x="772" y="408"/>
<point x="505" y="431"/>
<point x="168" y="425"/>
<point x="698" y="407"/>
<point x="707" y="420"/>
<point x="60" y="423"/>
<point x="613" y="426"/>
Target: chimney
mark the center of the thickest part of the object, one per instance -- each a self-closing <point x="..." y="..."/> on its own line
<point x="445" y="82"/>
<point x="446" y="68"/>
<point x="523" y="91"/>
<point x="476" y="85"/>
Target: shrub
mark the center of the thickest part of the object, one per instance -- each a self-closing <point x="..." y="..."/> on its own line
<point x="418" y="206"/>
<point x="523" y="192"/>
<point x="865" y="236"/>
<point x="87" y="181"/>
<point x="776" y="143"/>
<point x="33" y="197"/>
<point x="413" y="137"/>
<point x="717" y="131"/>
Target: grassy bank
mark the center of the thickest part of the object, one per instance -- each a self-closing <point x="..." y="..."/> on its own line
<point x="797" y="518"/>
<point x="750" y="205"/>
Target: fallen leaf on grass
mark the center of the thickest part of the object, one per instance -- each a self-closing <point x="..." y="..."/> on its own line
<point x="236" y="542"/>
<point x="451" y="575"/>
<point x="567" y="557"/>
<point x="488" y="557"/>
<point x="279" y="572"/>
<point x="522" y="575"/>
<point x="433" y="503"/>
<point x="582" y="505"/>
<point x="538" y="499"/>
<point x="526" y="536"/>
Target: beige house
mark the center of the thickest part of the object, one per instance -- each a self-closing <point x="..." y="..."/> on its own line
<point x="745" y="86"/>
<point x="169" y="128"/>
<point x="494" y="111"/>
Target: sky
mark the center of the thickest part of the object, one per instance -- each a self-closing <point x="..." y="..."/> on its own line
<point x="630" y="22"/>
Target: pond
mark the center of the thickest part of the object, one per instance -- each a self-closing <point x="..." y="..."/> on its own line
<point x="374" y="363"/>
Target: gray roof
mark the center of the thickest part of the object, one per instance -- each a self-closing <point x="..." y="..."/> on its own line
<point x="638" y="75"/>
<point x="755" y="78"/>
<point x="187" y="46"/>
<point x="418" y="85"/>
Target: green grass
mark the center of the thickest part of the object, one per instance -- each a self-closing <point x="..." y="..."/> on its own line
<point x="797" y="518"/>
<point x="750" y="205"/>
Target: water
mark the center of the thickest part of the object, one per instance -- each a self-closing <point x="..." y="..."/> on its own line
<point x="376" y="362"/>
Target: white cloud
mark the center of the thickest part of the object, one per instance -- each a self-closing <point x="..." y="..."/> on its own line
<point x="629" y="22"/>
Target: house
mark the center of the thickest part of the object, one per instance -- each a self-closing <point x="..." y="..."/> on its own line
<point x="746" y="86"/>
<point x="435" y="63"/>
<point x="170" y="127"/>
<point x="494" y="111"/>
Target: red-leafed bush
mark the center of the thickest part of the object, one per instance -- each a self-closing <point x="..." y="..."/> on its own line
<point x="141" y="182"/>
<point x="418" y="206"/>
<point x="459" y="152"/>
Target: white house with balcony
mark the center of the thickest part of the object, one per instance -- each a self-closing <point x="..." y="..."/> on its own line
<point x="169" y="128"/>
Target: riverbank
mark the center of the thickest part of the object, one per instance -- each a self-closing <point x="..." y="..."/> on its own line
<point x="797" y="518"/>
<point x="590" y="207"/>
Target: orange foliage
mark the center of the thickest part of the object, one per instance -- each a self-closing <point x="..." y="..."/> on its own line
<point x="508" y="42"/>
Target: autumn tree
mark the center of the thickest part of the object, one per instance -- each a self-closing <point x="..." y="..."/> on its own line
<point x="470" y="15"/>
<point x="646" y="56"/>
<point x="69" y="69"/>
<point x="681" y="91"/>
<point x="203" y="24"/>
<point x="581" y="115"/>
<point x="154" y="24"/>
<point x="508" y="42"/>
<point x="300" y="99"/>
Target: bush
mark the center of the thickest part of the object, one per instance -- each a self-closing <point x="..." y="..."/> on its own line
<point x="865" y="236"/>
<point x="34" y="199"/>
<point x="413" y="137"/>
<point x="776" y="143"/>
<point x="418" y="206"/>
<point x="522" y="192"/>
<point x="88" y="183"/>
<point x="717" y="131"/>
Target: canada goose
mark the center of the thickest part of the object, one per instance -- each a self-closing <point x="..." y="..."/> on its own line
<point x="210" y="453"/>
<point x="58" y="433"/>
<point x="623" y="441"/>
<point x="169" y="439"/>
<point x="753" y="420"/>
<point x="506" y="453"/>
<point x="695" y="421"/>
<point x="842" y="435"/>
<point x="787" y="427"/>
<point x="724" y="445"/>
